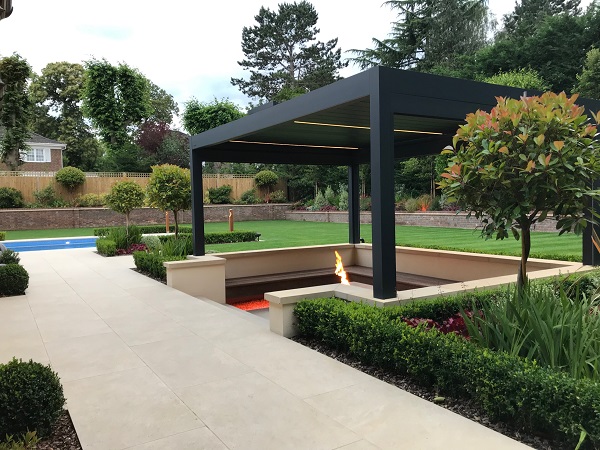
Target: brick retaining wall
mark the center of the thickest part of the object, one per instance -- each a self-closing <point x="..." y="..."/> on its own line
<point x="424" y="219"/>
<point x="36" y="219"/>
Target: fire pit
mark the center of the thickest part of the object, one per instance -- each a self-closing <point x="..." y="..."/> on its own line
<point x="285" y="276"/>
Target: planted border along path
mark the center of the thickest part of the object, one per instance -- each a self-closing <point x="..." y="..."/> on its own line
<point x="145" y="366"/>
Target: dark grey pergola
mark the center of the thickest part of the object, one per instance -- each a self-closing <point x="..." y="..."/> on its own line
<point x="375" y="117"/>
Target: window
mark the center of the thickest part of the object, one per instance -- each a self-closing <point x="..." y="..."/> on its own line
<point x="37" y="155"/>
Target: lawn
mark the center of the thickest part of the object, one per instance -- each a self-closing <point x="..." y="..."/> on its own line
<point x="278" y="234"/>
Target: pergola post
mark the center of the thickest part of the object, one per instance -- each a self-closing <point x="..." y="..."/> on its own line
<point x="197" y="204"/>
<point x="382" y="193"/>
<point x="591" y="256"/>
<point x="353" y="205"/>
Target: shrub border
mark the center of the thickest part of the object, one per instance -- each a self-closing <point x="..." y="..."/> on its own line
<point x="507" y="388"/>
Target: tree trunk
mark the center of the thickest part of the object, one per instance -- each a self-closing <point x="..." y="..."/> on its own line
<point x="525" y="249"/>
<point x="176" y="224"/>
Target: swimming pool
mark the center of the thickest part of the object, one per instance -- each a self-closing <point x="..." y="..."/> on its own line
<point x="50" y="244"/>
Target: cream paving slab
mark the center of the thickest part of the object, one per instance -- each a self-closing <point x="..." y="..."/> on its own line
<point x="150" y="326"/>
<point x="300" y="370"/>
<point x="16" y="315"/>
<point x="89" y="356"/>
<point x="188" y="361"/>
<point x="52" y="310"/>
<point x="360" y="445"/>
<point x="201" y="438"/>
<point x="23" y="345"/>
<point x="392" y="418"/>
<point x="111" y="305"/>
<point x="252" y="412"/>
<point x="65" y="327"/>
<point x="123" y="409"/>
<point x="227" y="330"/>
<point x="179" y="307"/>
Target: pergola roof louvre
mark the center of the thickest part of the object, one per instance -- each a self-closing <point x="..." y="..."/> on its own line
<point x="415" y="102"/>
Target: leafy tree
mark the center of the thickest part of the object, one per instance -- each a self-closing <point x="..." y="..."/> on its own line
<point x="174" y="149"/>
<point x="163" y="105"/>
<point x="115" y="98"/>
<point x="281" y="53"/>
<point x="524" y="160"/>
<point x="15" y="110"/>
<point x="57" y="94"/>
<point x="415" y="176"/>
<point x="555" y="47"/>
<point x="523" y="78"/>
<point x="127" y="157"/>
<point x="170" y="189"/>
<point x="588" y="82"/>
<point x="429" y="33"/>
<point x="199" y="117"/>
<point x="124" y="197"/>
<point x="529" y="13"/>
<point x="150" y="136"/>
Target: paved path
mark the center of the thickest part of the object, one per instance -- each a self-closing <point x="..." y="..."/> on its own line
<point x="146" y="367"/>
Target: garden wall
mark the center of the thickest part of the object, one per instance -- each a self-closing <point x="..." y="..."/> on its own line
<point x="421" y="219"/>
<point x="36" y="219"/>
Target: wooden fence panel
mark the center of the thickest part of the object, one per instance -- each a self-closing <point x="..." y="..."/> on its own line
<point x="101" y="183"/>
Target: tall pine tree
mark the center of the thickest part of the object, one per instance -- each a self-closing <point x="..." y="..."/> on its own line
<point x="429" y="34"/>
<point x="283" y="56"/>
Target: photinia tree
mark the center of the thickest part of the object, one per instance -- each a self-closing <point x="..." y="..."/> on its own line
<point x="524" y="162"/>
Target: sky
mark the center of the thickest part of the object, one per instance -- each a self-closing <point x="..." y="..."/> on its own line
<point x="189" y="48"/>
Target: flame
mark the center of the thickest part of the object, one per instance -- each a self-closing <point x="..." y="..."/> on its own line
<point x="339" y="269"/>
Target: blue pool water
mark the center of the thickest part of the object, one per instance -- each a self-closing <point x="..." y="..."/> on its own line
<point x="50" y="244"/>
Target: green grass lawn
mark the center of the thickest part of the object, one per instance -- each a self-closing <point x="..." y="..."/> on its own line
<point x="278" y="234"/>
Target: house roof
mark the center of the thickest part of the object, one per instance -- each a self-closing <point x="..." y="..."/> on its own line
<point x="35" y="138"/>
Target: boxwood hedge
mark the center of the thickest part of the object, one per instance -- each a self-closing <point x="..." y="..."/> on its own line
<point x="507" y="388"/>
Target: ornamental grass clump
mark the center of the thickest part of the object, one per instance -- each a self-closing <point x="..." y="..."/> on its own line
<point x="556" y="330"/>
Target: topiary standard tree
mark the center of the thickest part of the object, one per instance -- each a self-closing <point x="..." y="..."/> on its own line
<point x="70" y="177"/>
<point x="525" y="160"/>
<point x="170" y="189"/>
<point x="267" y="179"/>
<point x="124" y="197"/>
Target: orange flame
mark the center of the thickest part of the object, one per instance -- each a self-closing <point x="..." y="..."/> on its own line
<point x="339" y="269"/>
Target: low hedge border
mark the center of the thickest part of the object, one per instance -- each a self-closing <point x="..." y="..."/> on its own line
<point x="507" y="388"/>
<point x="145" y="229"/>
<point x="106" y="247"/>
<point x="151" y="264"/>
<point x="209" y="238"/>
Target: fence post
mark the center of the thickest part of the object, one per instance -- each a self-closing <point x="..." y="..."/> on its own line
<point x="231" y="220"/>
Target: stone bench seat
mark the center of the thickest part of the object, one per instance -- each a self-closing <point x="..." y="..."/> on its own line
<point x="403" y="279"/>
<point x="246" y="288"/>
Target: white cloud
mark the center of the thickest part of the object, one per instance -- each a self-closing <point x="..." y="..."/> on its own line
<point x="189" y="48"/>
